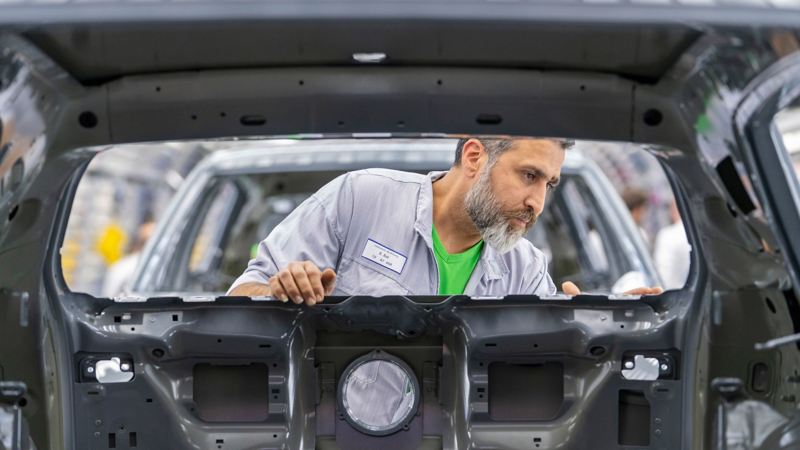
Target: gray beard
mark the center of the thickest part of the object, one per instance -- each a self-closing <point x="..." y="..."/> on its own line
<point x="487" y="214"/>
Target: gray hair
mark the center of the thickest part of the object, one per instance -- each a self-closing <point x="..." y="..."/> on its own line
<point x="497" y="146"/>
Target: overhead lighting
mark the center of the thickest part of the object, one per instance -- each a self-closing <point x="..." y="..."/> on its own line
<point x="369" y="58"/>
<point x="378" y="394"/>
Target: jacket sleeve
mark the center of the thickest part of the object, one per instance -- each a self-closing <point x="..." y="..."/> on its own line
<point x="314" y="232"/>
<point x="542" y="283"/>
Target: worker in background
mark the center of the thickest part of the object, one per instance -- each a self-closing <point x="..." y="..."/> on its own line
<point x="119" y="274"/>
<point x="637" y="202"/>
<point x="672" y="251"/>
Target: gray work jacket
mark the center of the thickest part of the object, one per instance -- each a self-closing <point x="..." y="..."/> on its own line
<point x="373" y="227"/>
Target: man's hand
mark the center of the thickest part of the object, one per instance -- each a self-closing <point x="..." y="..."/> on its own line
<point x="302" y="281"/>
<point x="570" y="288"/>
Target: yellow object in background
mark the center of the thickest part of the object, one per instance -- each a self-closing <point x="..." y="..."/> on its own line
<point x="111" y="243"/>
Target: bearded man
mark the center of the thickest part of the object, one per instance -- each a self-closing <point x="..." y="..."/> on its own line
<point x="386" y="232"/>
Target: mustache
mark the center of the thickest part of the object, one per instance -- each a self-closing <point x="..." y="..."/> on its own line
<point x="525" y="215"/>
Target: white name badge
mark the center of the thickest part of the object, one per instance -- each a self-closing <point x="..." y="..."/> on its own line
<point x="384" y="256"/>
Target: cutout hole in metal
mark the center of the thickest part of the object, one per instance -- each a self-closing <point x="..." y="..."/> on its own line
<point x="597" y="351"/>
<point x="489" y="119"/>
<point x="253" y="120"/>
<point x="653" y="117"/>
<point x="87" y="119"/>
<point x="731" y="178"/>
<point x="733" y="212"/>
<point x="770" y="305"/>
<point x="13" y="213"/>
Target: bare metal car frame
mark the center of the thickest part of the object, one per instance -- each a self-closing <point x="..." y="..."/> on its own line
<point x="698" y="85"/>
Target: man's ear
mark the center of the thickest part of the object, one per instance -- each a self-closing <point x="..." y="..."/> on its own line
<point x="473" y="156"/>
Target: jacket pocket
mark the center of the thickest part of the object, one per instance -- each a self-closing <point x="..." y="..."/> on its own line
<point x="357" y="278"/>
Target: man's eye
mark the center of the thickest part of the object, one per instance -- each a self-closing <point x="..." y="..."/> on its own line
<point x="530" y="176"/>
<point x="550" y="186"/>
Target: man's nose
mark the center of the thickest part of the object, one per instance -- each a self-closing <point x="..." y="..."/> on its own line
<point x="536" y="198"/>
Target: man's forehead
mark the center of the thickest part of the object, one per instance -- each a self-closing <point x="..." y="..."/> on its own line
<point x="537" y="143"/>
<point x="546" y="154"/>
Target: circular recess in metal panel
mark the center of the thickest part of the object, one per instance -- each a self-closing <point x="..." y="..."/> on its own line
<point x="378" y="394"/>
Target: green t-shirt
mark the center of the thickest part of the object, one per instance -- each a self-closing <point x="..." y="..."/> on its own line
<point x="455" y="270"/>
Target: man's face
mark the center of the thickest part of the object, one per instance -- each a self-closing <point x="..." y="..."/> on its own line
<point x="508" y="196"/>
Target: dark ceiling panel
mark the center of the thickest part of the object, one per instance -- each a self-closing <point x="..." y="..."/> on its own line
<point x="98" y="53"/>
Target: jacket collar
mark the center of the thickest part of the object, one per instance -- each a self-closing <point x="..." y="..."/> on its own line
<point x="491" y="262"/>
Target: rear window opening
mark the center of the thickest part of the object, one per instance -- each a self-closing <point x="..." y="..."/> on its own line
<point x="186" y="218"/>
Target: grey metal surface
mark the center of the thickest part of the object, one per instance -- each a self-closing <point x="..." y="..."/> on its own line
<point x="102" y="52"/>
<point x="564" y="331"/>
<point x="700" y="12"/>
